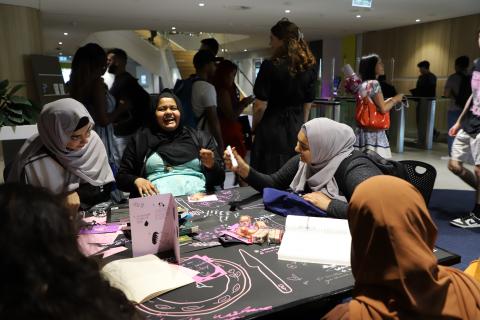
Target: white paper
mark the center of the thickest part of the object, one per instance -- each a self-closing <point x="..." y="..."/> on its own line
<point x="316" y="240"/>
<point x="202" y="198"/>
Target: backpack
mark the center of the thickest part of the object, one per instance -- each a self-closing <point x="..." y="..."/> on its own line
<point x="464" y="90"/>
<point x="183" y="90"/>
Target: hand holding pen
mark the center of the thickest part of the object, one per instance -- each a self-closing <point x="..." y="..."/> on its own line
<point x="207" y="158"/>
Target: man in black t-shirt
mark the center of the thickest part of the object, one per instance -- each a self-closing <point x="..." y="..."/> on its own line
<point x="126" y="90"/>
<point x="466" y="147"/>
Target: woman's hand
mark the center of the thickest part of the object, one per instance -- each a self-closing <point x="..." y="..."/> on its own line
<point x="319" y="199"/>
<point x="454" y="129"/>
<point x="72" y="202"/>
<point x="242" y="169"/>
<point x="207" y="158"/>
<point x="145" y="187"/>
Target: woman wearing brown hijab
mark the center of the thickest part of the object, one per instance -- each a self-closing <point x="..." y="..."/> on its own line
<point x="396" y="273"/>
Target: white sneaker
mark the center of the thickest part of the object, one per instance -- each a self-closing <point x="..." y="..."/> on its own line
<point x="469" y="221"/>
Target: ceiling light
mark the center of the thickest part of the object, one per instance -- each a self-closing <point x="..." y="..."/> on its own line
<point x="287" y="11"/>
<point x="60" y="53"/>
<point x="60" y="42"/>
<point x="173" y="28"/>
<point x="65" y="33"/>
<point x="223" y="50"/>
<point x="358" y="16"/>
<point x="226" y="50"/>
<point x="418" y="20"/>
<point x="201" y="4"/>
<point x="245" y="50"/>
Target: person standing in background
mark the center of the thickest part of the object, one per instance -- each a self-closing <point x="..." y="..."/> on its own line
<point x="371" y="68"/>
<point x="458" y="89"/>
<point x="284" y="90"/>
<point x="426" y="88"/>
<point x="466" y="146"/>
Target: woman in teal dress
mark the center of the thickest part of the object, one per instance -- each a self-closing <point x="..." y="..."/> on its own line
<point x="168" y="157"/>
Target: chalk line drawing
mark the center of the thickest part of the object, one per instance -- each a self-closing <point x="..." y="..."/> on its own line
<point x="294" y="277"/>
<point x="254" y="263"/>
<point x="291" y="266"/>
<point x="232" y="289"/>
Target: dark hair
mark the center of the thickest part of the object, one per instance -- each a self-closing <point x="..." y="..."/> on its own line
<point x="382" y="78"/>
<point x="203" y="58"/>
<point x="424" y="64"/>
<point x="367" y="66"/>
<point x="224" y="68"/>
<point x="46" y="276"/>
<point x="119" y="53"/>
<point x="462" y="62"/>
<point x="212" y="45"/>
<point x="82" y="123"/>
<point x="295" y="49"/>
<point x="87" y="64"/>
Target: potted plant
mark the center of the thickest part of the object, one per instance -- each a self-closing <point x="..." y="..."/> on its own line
<point x="15" y="110"/>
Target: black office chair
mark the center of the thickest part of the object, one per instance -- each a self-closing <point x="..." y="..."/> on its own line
<point x="421" y="175"/>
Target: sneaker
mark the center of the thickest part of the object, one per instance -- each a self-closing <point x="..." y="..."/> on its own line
<point x="470" y="221"/>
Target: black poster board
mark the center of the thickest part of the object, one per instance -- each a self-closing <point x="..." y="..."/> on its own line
<point x="48" y="78"/>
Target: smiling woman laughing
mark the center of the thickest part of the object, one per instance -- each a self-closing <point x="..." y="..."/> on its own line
<point x="168" y="157"/>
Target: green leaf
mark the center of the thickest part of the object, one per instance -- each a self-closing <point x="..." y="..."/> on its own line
<point x="20" y="100"/>
<point x="16" y="111"/>
<point x="14" y="89"/>
<point x="16" y="120"/>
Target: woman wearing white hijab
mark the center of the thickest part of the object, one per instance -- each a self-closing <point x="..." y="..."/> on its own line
<point x="326" y="171"/>
<point x="66" y="156"/>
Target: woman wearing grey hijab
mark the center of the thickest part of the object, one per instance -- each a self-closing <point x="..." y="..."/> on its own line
<point x="66" y="156"/>
<point x="325" y="171"/>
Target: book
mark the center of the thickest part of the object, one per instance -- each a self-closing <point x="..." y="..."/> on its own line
<point x="143" y="278"/>
<point x="316" y="240"/>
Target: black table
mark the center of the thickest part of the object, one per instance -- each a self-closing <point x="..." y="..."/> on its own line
<point x="255" y="283"/>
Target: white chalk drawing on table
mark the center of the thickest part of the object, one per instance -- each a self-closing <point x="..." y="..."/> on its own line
<point x="222" y="215"/>
<point x="271" y="249"/>
<point x="271" y="276"/>
<point x="236" y="283"/>
<point x="335" y="272"/>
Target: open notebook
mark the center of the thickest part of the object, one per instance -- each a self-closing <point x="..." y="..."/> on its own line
<point x="316" y="240"/>
<point x="143" y="278"/>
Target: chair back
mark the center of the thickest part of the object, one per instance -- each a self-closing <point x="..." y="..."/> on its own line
<point x="422" y="175"/>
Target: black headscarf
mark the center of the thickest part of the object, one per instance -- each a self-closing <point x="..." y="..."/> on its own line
<point x="174" y="147"/>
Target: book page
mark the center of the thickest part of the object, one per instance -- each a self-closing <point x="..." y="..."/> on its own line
<point x="329" y="225"/>
<point x="316" y="240"/>
<point x="146" y="277"/>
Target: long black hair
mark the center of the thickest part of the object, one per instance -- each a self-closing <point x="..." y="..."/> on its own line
<point x="367" y="67"/>
<point x="45" y="276"/>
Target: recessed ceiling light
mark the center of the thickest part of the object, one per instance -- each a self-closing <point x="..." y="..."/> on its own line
<point x="287" y="11"/>
<point x="226" y="50"/>
<point x="65" y="33"/>
<point x="418" y="20"/>
<point x="201" y="4"/>
<point x="173" y="28"/>
<point x="245" y="50"/>
<point x="60" y="42"/>
<point x="60" y="53"/>
<point x="358" y="16"/>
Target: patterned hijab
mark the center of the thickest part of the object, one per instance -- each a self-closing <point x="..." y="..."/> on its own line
<point x="58" y="120"/>
<point x="330" y="143"/>
<point x="396" y="273"/>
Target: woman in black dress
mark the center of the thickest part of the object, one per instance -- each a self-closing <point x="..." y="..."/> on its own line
<point x="284" y="90"/>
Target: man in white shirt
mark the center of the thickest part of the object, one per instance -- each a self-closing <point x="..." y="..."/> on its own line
<point x="204" y="96"/>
